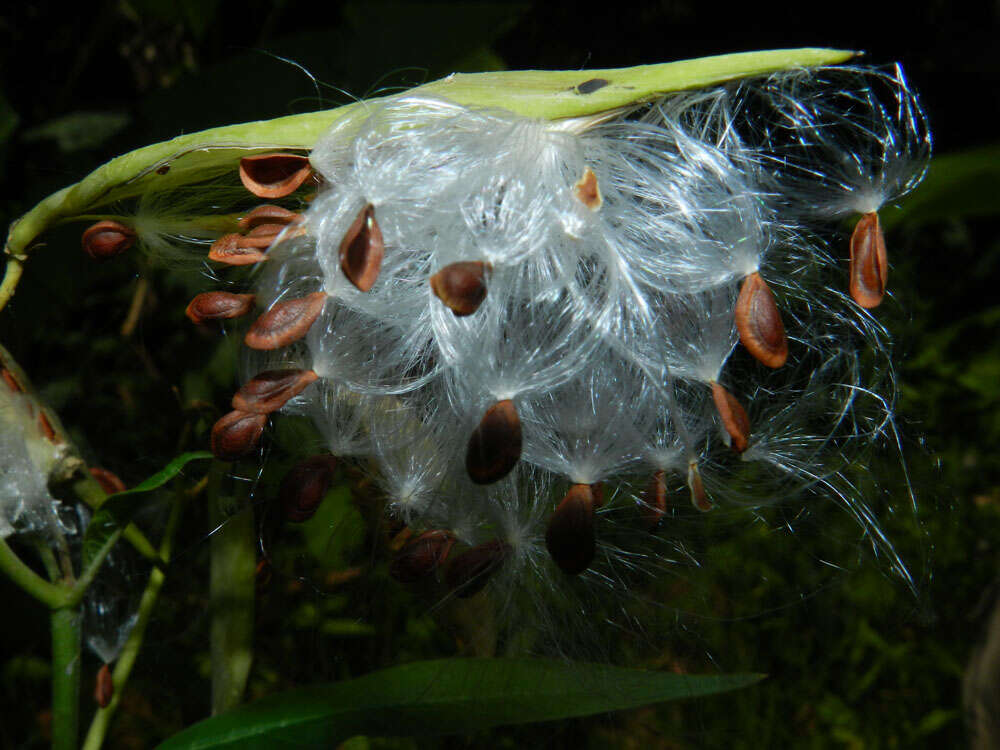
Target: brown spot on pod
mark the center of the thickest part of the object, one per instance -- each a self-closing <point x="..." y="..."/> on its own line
<point x="734" y="417"/>
<point x="104" y="686"/>
<point x="268" y="391"/>
<point x="285" y="322"/>
<point x="869" y="270"/>
<point x="422" y="556"/>
<point x="8" y="378"/>
<point x="218" y="306"/>
<point x="268" y="214"/>
<point x="654" y="500"/>
<point x="305" y="485"/>
<point x="470" y="571"/>
<point x="237" y="434"/>
<point x="109" y="481"/>
<point x="495" y="446"/>
<point x="362" y="249"/>
<point x="588" y="191"/>
<point x="699" y="498"/>
<point x="229" y="249"/>
<point x="263" y="574"/>
<point x="106" y="239"/>
<point x="569" y="536"/>
<point x="461" y="286"/>
<point x="759" y="322"/>
<point x="274" y="175"/>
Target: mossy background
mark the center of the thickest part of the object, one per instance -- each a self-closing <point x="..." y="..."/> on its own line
<point x="856" y="660"/>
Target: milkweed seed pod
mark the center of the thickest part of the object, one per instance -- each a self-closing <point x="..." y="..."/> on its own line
<point x="562" y="323"/>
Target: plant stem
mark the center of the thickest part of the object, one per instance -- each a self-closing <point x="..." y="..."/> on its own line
<point x="51" y="595"/>
<point x="233" y="554"/>
<point x="65" y="623"/>
<point x="87" y="489"/>
<point x="12" y="274"/>
<point x="130" y="651"/>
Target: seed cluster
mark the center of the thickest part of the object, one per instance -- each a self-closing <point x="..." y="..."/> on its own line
<point x="530" y="325"/>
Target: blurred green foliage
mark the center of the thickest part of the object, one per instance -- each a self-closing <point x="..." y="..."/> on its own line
<point x="855" y="658"/>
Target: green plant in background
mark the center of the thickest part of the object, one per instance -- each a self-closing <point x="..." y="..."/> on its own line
<point x="308" y="717"/>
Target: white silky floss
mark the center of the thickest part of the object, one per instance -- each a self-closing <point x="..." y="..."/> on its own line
<point x="607" y="322"/>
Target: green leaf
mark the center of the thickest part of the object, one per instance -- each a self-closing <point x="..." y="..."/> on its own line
<point x="201" y="156"/>
<point x="116" y="512"/>
<point x="445" y="696"/>
<point x="962" y="184"/>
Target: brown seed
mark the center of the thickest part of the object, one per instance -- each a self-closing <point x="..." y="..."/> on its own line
<point x="46" y="427"/>
<point x="869" y="269"/>
<point x="8" y="378"/>
<point x="588" y="191"/>
<point x="285" y="322"/>
<point x="237" y="434"/>
<point x="268" y="391"/>
<point x="229" y="249"/>
<point x="362" y="249"/>
<point x="268" y="214"/>
<point x="461" y="286"/>
<point x="305" y="485"/>
<point x="108" y="480"/>
<point x="274" y="175"/>
<point x="495" y="446"/>
<point x="699" y="498"/>
<point x="470" y="571"/>
<point x="569" y="536"/>
<point x="759" y="322"/>
<point x="218" y="306"/>
<point x="422" y="556"/>
<point x="104" y="686"/>
<point x="734" y="417"/>
<point x="106" y="239"/>
<point x="654" y="500"/>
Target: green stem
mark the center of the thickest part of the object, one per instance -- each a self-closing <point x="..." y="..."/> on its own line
<point x="65" y="678"/>
<point x="12" y="275"/>
<point x="49" y="594"/>
<point x="233" y="555"/>
<point x="79" y="588"/>
<point x="87" y="489"/>
<point x="130" y="651"/>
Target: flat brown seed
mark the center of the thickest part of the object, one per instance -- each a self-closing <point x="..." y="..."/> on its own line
<point x="106" y="239"/>
<point x="869" y="270"/>
<point x="305" y="485"/>
<point x="422" y="556"/>
<point x="237" y="434"/>
<point x="218" y="306"/>
<point x="229" y="250"/>
<point x="699" y="498"/>
<point x="569" y="536"/>
<point x="285" y="322"/>
<point x="495" y="446"/>
<point x="654" y="500"/>
<point x="268" y="214"/>
<point x="109" y="481"/>
<point x="461" y="286"/>
<point x="8" y="378"/>
<point x="759" y="322"/>
<point x="470" y="571"/>
<point x="734" y="417"/>
<point x="274" y="175"/>
<point x="104" y="686"/>
<point x="268" y="391"/>
<point x="46" y="427"/>
<point x="588" y="191"/>
<point x="362" y="249"/>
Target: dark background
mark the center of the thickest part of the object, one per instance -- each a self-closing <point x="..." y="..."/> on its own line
<point x="862" y="662"/>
